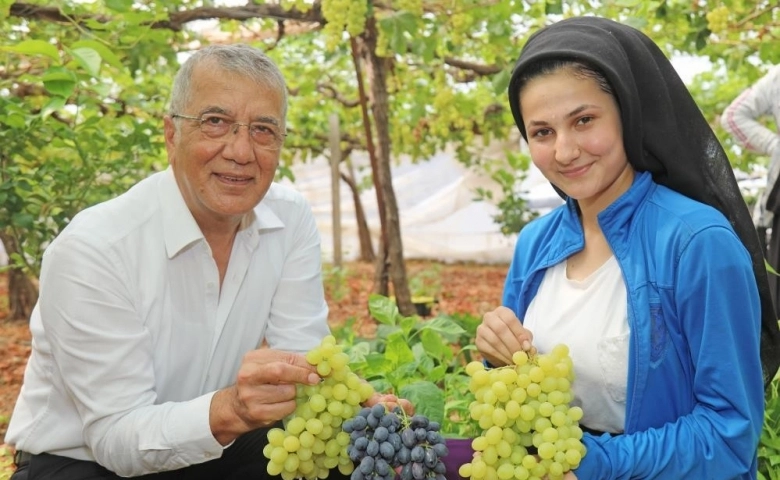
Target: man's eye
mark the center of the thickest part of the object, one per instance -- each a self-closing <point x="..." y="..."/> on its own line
<point x="214" y="120"/>
<point x="260" y="129"/>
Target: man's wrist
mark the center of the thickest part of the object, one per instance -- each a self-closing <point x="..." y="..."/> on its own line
<point x="225" y="424"/>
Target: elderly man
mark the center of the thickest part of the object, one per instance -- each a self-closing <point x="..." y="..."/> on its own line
<point x="154" y="304"/>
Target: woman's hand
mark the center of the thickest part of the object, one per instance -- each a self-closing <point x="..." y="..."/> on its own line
<point x="500" y="335"/>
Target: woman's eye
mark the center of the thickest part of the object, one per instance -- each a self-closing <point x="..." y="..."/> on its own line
<point x="542" y="132"/>
<point x="585" y="120"/>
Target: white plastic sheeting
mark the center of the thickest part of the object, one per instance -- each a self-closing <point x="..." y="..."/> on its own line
<point x="440" y="218"/>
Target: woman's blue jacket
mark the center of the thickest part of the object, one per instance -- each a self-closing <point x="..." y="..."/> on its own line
<point x="695" y="397"/>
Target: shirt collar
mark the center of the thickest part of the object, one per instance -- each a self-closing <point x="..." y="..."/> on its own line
<point x="180" y="228"/>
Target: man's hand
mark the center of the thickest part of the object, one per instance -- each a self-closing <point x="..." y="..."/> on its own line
<point x="264" y="393"/>
<point x="500" y="335"/>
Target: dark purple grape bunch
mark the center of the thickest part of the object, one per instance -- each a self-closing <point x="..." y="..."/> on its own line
<point x="383" y="442"/>
<point x="422" y="450"/>
<point x="374" y="440"/>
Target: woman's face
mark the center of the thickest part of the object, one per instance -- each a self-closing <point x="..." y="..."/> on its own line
<point x="575" y="137"/>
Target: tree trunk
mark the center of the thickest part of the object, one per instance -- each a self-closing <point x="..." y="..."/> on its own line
<point x="381" y="284"/>
<point x="22" y="292"/>
<point x="364" y="235"/>
<point x="377" y="69"/>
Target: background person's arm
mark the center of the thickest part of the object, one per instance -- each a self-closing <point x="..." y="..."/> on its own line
<point x="742" y="118"/>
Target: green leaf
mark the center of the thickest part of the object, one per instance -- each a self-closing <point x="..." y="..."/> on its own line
<point x="5" y="8"/>
<point x="500" y="81"/>
<point x="54" y="104"/>
<point x="397" y="350"/>
<point x="15" y="120"/>
<point x="119" y="5"/>
<point x="59" y="81"/>
<point x="427" y="398"/>
<point x="435" y="345"/>
<point x="553" y="7"/>
<point x="22" y="220"/>
<point x="382" y="309"/>
<point x="88" y="58"/>
<point x="397" y="40"/>
<point x="34" y="47"/>
<point x="407" y="21"/>
<point x="443" y="326"/>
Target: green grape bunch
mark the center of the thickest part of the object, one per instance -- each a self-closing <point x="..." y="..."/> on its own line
<point x="343" y="14"/>
<point x="718" y="19"/>
<point x="529" y="431"/>
<point x="312" y="441"/>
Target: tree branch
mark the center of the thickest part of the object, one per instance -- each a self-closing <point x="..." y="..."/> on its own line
<point x="177" y="20"/>
<point x="330" y="91"/>
<point x="477" y="68"/>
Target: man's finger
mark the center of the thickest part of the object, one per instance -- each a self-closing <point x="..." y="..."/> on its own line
<point x="277" y="373"/>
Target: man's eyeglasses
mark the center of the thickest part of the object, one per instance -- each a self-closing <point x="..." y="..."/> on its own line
<point x="213" y="125"/>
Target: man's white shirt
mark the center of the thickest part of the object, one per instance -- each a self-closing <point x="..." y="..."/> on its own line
<point x="132" y="334"/>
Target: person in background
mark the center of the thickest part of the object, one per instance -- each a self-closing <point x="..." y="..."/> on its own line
<point x="651" y="273"/>
<point x="743" y="120"/>
<point x="154" y="305"/>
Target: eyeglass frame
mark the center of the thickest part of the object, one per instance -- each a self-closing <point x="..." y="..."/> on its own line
<point x="234" y="126"/>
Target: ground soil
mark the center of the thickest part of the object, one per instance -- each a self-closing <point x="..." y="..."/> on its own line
<point x="464" y="288"/>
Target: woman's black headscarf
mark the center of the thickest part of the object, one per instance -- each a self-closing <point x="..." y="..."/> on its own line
<point x="664" y="132"/>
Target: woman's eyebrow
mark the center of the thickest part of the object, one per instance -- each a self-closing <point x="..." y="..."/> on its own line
<point x="580" y="109"/>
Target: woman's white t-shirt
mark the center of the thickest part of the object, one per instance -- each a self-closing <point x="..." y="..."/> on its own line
<point x="590" y="316"/>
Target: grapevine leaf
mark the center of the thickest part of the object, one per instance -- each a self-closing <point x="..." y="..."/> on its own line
<point x="106" y="54"/>
<point x="34" y="47"/>
<point x="553" y="7"/>
<point x="5" y="8"/>
<point x="59" y="81"/>
<point x="88" y="58"/>
<point x="119" y="5"/>
<point x="427" y="398"/>
<point x="54" y="104"/>
<point x="501" y="81"/>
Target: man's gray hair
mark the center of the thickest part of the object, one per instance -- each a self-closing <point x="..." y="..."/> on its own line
<point x="240" y="59"/>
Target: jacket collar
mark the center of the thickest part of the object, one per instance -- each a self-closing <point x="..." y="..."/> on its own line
<point x="617" y="219"/>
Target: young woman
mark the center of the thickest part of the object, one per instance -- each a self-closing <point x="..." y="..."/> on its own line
<point x="651" y="272"/>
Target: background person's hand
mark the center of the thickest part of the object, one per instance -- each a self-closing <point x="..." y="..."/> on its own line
<point x="264" y="393"/>
<point x="500" y="335"/>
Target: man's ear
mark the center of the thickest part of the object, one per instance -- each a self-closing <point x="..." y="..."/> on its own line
<point x="169" y="129"/>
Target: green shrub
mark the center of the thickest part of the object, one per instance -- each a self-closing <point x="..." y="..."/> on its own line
<point x="769" y="445"/>
<point x="420" y="360"/>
